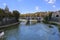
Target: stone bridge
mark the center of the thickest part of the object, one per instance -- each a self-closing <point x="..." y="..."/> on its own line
<point x="31" y="19"/>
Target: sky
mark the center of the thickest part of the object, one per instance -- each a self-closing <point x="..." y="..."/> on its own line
<point x="29" y="6"/>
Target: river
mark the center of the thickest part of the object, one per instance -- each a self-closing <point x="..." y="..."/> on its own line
<point x="38" y="31"/>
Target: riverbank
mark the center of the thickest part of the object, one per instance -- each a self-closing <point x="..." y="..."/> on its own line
<point x="53" y="23"/>
<point x="4" y="26"/>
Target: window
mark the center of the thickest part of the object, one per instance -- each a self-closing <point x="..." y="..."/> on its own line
<point x="57" y="15"/>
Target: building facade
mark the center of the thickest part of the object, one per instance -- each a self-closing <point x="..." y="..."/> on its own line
<point x="56" y="16"/>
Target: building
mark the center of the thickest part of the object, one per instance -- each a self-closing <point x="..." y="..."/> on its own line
<point x="6" y="9"/>
<point x="56" y="16"/>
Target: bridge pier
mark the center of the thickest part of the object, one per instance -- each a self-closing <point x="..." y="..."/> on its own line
<point x="28" y="20"/>
<point x="38" y="19"/>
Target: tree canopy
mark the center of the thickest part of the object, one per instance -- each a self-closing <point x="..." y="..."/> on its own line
<point x="9" y="14"/>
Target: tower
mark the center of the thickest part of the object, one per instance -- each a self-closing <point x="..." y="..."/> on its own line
<point x="6" y="9"/>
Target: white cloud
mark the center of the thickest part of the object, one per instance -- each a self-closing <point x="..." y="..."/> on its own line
<point x="50" y="1"/>
<point x="53" y="6"/>
<point x="4" y="4"/>
<point x="37" y="8"/>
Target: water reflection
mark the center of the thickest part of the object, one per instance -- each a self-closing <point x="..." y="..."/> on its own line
<point x="10" y="31"/>
<point x="38" y="31"/>
<point x="31" y="22"/>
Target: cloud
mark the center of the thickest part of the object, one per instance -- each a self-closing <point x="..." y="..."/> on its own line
<point x="53" y="6"/>
<point x="4" y="4"/>
<point x="37" y="8"/>
<point x="50" y="1"/>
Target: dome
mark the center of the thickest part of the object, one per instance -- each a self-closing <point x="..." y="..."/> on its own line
<point x="6" y="8"/>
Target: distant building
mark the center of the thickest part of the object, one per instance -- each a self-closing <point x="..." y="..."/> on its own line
<point x="6" y="9"/>
<point x="56" y="16"/>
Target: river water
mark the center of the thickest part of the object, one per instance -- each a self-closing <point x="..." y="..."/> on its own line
<point x="38" y="31"/>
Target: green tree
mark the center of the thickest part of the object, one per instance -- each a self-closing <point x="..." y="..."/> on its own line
<point x="16" y="14"/>
<point x="46" y="18"/>
<point x="2" y="13"/>
<point x="50" y="15"/>
<point x="10" y="15"/>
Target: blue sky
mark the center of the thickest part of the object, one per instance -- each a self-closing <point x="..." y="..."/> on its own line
<point x="26" y="6"/>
